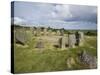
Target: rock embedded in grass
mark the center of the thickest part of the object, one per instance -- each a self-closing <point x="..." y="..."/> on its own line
<point x="88" y="59"/>
<point x="40" y="44"/>
<point x="70" y="62"/>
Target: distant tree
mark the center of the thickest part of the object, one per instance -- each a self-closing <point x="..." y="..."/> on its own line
<point x="91" y="33"/>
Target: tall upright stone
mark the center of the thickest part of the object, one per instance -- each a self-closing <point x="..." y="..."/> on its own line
<point x="81" y="38"/>
<point x="32" y="29"/>
<point x="77" y="37"/>
<point x="62" y="42"/>
<point x="20" y="36"/>
<point x="71" y="40"/>
<point x="38" y="31"/>
<point x="62" y="32"/>
<point x="45" y="31"/>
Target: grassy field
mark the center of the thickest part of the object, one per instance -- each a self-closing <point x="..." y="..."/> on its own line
<point x="30" y="59"/>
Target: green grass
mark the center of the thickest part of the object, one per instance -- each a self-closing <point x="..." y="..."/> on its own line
<point x="30" y="59"/>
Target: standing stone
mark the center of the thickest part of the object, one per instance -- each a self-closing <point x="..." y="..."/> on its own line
<point x="71" y="40"/>
<point x="81" y="38"/>
<point x="62" y="32"/>
<point x="62" y="42"/>
<point x="34" y="31"/>
<point x="58" y="33"/>
<point x="40" y="44"/>
<point x="45" y="31"/>
<point x="20" y="36"/>
<point x="38" y="31"/>
<point x="77" y="37"/>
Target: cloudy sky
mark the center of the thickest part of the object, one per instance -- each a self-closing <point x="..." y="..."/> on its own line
<point x="54" y="15"/>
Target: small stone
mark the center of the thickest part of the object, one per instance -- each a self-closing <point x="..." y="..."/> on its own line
<point x="70" y="62"/>
<point x="40" y="44"/>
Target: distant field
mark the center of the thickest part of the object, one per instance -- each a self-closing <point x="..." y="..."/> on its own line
<point x="30" y="59"/>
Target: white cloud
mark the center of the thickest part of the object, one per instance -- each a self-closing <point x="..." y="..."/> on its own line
<point x="17" y="20"/>
<point x="62" y="11"/>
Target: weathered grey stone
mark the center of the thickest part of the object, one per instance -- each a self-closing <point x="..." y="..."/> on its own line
<point x="62" y="32"/>
<point x="88" y="59"/>
<point x="40" y="44"/>
<point x="81" y="38"/>
<point x="20" y="37"/>
<point x="62" y="42"/>
<point x="71" y="40"/>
